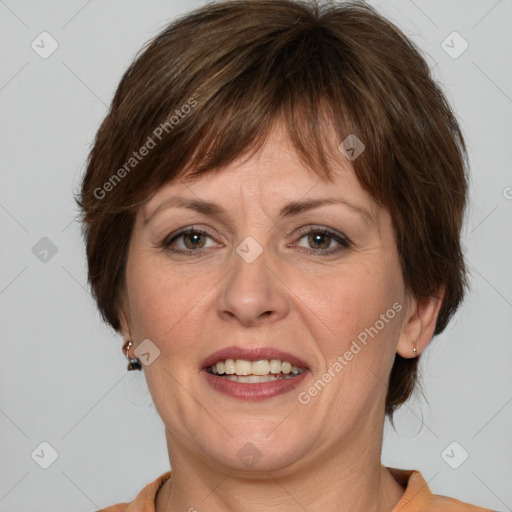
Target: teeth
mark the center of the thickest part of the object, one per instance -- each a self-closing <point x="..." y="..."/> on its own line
<point x="229" y="366"/>
<point x="242" y="370"/>
<point x="275" y="366"/>
<point x="261" y="367"/>
<point x="253" y="379"/>
<point x="243" y="367"/>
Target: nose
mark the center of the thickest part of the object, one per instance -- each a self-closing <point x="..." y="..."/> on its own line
<point x="253" y="293"/>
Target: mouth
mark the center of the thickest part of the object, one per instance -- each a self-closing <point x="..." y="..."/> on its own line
<point x="253" y="374"/>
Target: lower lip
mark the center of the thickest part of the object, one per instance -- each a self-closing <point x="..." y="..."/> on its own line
<point x="254" y="391"/>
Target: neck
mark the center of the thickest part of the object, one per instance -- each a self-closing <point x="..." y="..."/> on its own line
<point x="344" y="477"/>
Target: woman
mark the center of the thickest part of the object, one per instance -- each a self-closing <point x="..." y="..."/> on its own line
<point x="272" y="211"/>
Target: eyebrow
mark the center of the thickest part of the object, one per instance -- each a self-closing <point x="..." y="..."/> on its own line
<point x="291" y="209"/>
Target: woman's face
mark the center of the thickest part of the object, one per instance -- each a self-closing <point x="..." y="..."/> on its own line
<point x="260" y="278"/>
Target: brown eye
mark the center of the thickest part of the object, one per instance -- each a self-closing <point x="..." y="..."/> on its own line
<point x="188" y="241"/>
<point x="322" y="241"/>
<point x="194" y="240"/>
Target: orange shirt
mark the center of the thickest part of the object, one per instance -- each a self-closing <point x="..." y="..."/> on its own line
<point x="417" y="497"/>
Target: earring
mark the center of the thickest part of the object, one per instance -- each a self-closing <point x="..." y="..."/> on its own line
<point x="133" y="364"/>
<point x="414" y="350"/>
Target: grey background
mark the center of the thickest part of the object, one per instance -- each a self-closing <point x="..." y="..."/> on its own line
<point x="62" y="374"/>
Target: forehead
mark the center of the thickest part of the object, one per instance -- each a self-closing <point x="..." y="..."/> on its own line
<point x="275" y="173"/>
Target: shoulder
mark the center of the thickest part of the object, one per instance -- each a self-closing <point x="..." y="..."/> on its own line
<point x="419" y="498"/>
<point x="145" y="500"/>
<point x="444" y="504"/>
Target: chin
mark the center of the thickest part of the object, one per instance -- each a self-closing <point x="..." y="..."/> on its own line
<point x="254" y="451"/>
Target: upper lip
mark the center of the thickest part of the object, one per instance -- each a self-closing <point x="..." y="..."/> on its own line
<point x="252" y="354"/>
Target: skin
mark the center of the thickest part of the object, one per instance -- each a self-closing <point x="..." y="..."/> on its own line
<point x="323" y="455"/>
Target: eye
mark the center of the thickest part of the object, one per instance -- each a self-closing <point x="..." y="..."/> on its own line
<point x="193" y="241"/>
<point x="322" y="239"/>
<point x="187" y="241"/>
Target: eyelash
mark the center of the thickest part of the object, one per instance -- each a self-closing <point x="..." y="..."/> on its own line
<point x="341" y="239"/>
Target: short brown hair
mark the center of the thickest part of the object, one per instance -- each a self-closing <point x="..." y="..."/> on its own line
<point x="210" y="87"/>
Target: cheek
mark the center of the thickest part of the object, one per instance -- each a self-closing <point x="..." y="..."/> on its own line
<point x="148" y="292"/>
<point x="165" y="306"/>
<point x="357" y="324"/>
<point x="352" y="303"/>
<point x="150" y="311"/>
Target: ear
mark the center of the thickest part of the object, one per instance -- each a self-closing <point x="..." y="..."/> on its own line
<point x="419" y="323"/>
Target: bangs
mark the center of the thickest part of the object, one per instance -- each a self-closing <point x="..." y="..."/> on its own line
<point x="233" y="104"/>
<point x="310" y="129"/>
